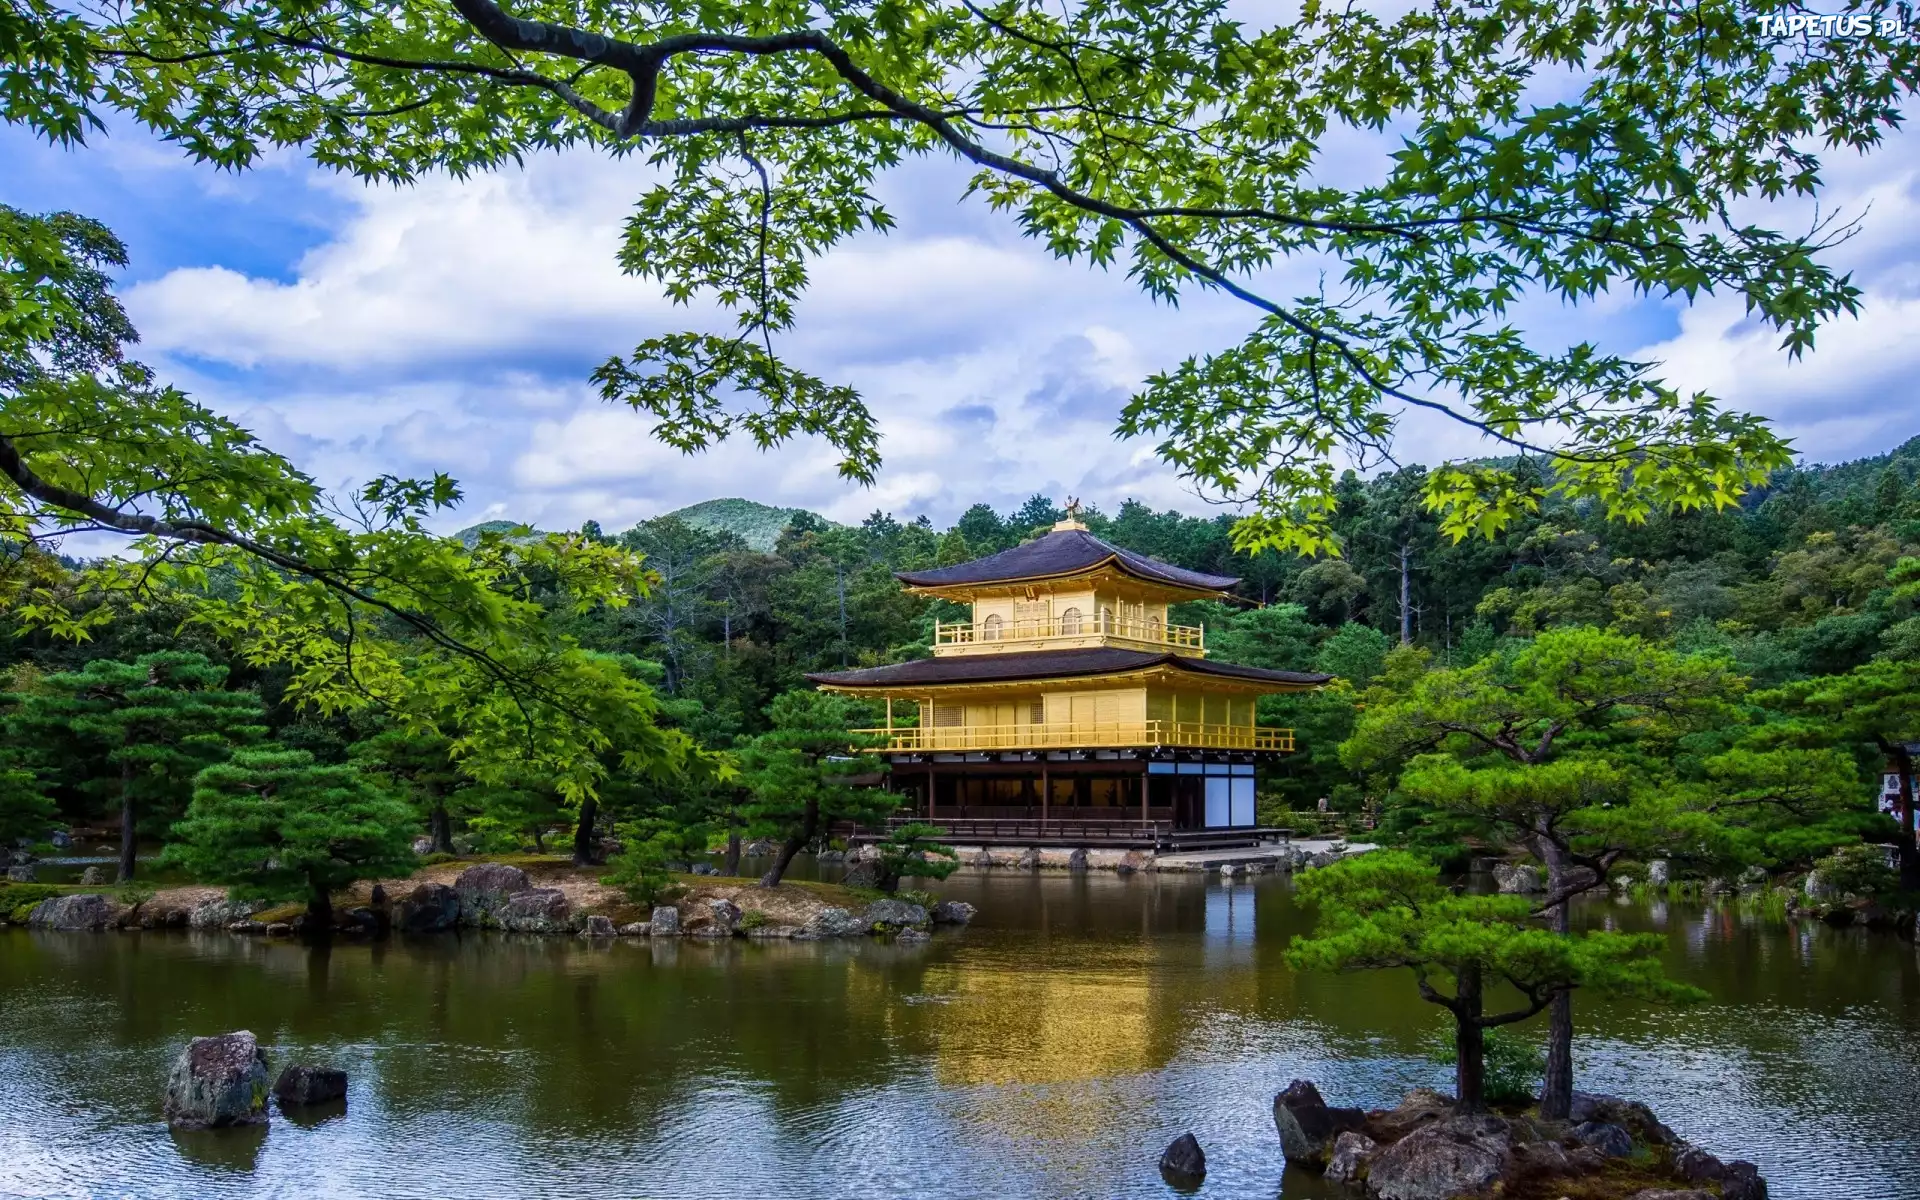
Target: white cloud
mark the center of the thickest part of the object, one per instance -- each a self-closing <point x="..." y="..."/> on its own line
<point x="451" y="326"/>
<point x="498" y="265"/>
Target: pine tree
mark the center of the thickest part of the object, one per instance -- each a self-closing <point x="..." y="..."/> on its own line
<point x="275" y="825"/>
<point x="805" y="777"/>
<point x="136" y="733"/>
<point x="1388" y="909"/>
<point x="419" y="763"/>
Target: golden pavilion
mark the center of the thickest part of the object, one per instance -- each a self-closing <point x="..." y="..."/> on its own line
<point x="1068" y="708"/>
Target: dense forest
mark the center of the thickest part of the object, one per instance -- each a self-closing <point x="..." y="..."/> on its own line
<point x="1792" y="584"/>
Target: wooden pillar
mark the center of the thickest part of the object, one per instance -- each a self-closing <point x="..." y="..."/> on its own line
<point x="1046" y="795"/>
<point x="930" y="791"/>
<point x="1144" y="822"/>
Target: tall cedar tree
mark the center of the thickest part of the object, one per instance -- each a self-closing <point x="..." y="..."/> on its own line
<point x="806" y="775"/>
<point x="1388" y="909"/>
<point x="276" y="825"/>
<point x="135" y="733"/>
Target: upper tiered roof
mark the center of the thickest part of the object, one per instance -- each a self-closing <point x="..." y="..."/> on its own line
<point x="1064" y="551"/>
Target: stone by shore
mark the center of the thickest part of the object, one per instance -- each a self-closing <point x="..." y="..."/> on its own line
<point x="1426" y="1148"/>
<point x="548" y="897"/>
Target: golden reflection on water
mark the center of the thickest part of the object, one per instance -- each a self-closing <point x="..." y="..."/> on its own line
<point x="1000" y="1024"/>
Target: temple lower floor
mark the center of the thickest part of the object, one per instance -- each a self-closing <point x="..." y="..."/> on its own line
<point x="1173" y="789"/>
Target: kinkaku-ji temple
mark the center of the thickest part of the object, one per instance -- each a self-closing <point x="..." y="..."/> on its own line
<point x="1068" y="708"/>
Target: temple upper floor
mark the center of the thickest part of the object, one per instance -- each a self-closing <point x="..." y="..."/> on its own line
<point x="1066" y="590"/>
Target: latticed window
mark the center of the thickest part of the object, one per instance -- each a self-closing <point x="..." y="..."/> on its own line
<point x="1070" y="621"/>
<point x="949" y="716"/>
<point x="1038" y="714"/>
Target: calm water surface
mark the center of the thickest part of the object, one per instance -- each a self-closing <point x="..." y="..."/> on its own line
<point x="1051" y="1050"/>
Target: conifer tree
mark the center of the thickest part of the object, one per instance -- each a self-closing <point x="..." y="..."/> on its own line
<point x="1388" y="909"/>
<point x="275" y="825"/>
<point x="419" y="763"/>
<point x="803" y="774"/>
<point x="135" y="733"/>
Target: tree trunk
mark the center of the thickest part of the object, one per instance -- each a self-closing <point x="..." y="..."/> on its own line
<point x="126" y="822"/>
<point x="583" y="847"/>
<point x="539" y="840"/>
<point x="1556" y="1086"/>
<point x="1406" y="611"/>
<point x="440" y="827"/>
<point x="1909" y="852"/>
<point x="319" y="910"/>
<point x="840" y="583"/>
<point x="731" y="867"/>
<point x="793" y="845"/>
<point x="1469" y="1044"/>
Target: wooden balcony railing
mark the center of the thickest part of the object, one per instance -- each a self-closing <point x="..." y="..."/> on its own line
<point x="1027" y="633"/>
<point x="1075" y="735"/>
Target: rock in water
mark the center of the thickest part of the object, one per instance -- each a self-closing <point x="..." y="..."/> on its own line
<point x="218" y="914"/>
<point x="485" y="888"/>
<point x="1184" y="1161"/>
<point x="71" y="913"/>
<point x="537" y="910"/>
<point x="218" y="1081"/>
<point x="1077" y="861"/>
<point x="1460" y="1156"/>
<point x="1610" y="1140"/>
<point x="1516" y="878"/>
<point x="725" y="916"/>
<point x="1738" y="1180"/>
<point x="429" y="908"/>
<point x="665" y="921"/>
<point x="1307" y="1127"/>
<point x="94" y="876"/>
<point x="889" y="915"/>
<point x="953" y="912"/>
<point x="598" y="926"/>
<point x="636" y="929"/>
<point x="1351" y="1153"/>
<point x="302" y="1085"/>
<point x="23" y="873"/>
<point x="833" y="922"/>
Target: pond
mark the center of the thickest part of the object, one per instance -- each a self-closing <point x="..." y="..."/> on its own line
<point x="1053" y="1049"/>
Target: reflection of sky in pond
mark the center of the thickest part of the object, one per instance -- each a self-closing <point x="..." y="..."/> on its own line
<point x="1052" y="1050"/>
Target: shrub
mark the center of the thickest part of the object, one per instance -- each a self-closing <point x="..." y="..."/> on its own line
<point x="641" y="873"/>
<point x="1858" y="870"/>
<point x="18" y="899"/>
<point x="753" y="918"/>
<point x="438" y="857"/>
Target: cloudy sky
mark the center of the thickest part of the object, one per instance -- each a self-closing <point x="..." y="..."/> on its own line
<point x="452" y="325"/>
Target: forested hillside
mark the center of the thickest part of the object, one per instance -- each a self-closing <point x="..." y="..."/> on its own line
<point x="1792" y="584"/>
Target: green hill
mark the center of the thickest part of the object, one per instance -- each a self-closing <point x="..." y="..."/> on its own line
<point x="757" y="524"/>
<point x="470" y="536"/>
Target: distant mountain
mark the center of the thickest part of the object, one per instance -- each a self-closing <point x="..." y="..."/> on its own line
<point x="757" y="524"/>
<point x="470" y="536"/>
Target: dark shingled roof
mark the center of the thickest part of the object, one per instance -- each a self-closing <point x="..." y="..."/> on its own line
<point x="1049" y="664"/>
<point x="1061" y="552"/>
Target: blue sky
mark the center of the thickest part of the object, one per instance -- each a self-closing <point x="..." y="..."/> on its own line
<point x="452" y="325"/>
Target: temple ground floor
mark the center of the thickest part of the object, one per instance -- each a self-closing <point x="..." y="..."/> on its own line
<point x="1151" y="798"/>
